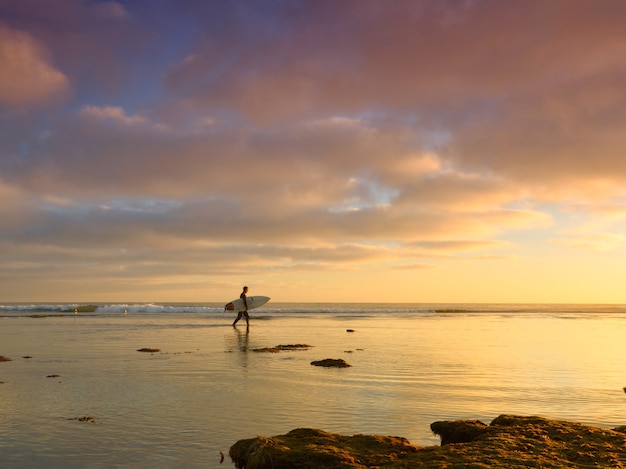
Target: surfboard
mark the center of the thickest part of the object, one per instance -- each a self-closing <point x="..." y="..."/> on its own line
<point x="253" y="302"/>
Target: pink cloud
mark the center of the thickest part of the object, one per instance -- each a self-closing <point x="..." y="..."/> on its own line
<point x="28" y="77"/>
<point x="315" y="135"/>
<point x="115" y="113"/>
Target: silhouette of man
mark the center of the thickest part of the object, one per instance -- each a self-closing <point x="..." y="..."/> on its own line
<point x="241" y="314"/>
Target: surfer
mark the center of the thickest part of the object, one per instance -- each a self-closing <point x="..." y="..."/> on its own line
<point x="241" y="314"/>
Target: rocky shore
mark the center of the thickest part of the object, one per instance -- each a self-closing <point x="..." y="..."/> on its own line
<point x="508" y="441"/>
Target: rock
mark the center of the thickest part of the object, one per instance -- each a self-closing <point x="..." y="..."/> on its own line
<point x="4" y="359"/>
<point x="509" y="441"/>
<point x="350" y="330"/>
<point x="620" y="429"/>
<point x="85" y="418"/>
<point x="310" y="448"/>
<point x="283" y="348"/>
<point x="331" y="362"/>
<point x="458" y="431"/>
<point x="149" y="350"/>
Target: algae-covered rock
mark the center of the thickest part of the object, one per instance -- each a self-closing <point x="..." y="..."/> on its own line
<point x="331" y="362"/>
<point x="310" y="448"/>
<point x="509" y="441"/>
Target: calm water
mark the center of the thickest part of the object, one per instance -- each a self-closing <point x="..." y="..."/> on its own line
<point x="206" y="389"/>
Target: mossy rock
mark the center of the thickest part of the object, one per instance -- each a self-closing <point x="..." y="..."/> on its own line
<point x="311" y="448"/>
<point x="509" y="441"/>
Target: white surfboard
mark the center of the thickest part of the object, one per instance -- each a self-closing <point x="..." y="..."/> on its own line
<point x="253" y="302"/>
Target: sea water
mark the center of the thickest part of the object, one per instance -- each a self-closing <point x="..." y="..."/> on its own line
<point x="208" y="387"/>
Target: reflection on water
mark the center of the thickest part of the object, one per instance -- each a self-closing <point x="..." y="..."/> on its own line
<point x="242" y="339"/>
<point x="206" y="388"/>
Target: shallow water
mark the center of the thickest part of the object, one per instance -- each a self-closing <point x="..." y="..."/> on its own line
<point x="207" y="389"/>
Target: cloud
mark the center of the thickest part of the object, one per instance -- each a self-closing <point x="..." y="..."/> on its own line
<point x="595" y="241"/>
<point x="609" y="211"/>
<point x="18" y="209"/>
<point x="459" y="245"/>
<point x="409" y="267"/>
<point x="593" y="226"/>
<point x="307" y="136"/>
<point x="28" y="77"/>
<point x="109" y="10"/>
<point x="519" y="93"/>
<point x="453" y="190"/>
<point x="114" y="113"/>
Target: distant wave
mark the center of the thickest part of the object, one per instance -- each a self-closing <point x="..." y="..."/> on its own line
<point x="106" y="308"/>
<point x="166" y="308"/>
<point x="349" y="310"/>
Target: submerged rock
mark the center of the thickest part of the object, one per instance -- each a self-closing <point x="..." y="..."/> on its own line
<point x="85" y="418"/>
<point x="283" y="348"/>
<point x="149" y="350"/>
<point x="509" y="441"/>
<point x="4" y="359"/>
<point x="331" y="362"/>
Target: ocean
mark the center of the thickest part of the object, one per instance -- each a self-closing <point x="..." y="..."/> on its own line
<point x="77" y="393"/>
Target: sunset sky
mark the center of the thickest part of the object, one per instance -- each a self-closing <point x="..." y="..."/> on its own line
<point x="320" y="150"/>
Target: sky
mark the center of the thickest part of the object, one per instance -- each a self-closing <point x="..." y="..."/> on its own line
<point x="317" y="151"/>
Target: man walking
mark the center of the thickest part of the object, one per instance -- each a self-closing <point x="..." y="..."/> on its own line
<point x="241" y="314"/>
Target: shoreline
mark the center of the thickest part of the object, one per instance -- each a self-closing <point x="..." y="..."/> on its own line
<point x="508" y="441"/>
